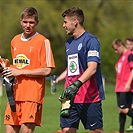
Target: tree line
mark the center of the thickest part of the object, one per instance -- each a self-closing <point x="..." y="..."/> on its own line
<point x="106" y="19"/>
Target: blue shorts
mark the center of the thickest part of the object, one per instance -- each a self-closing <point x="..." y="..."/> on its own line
<point x="90" y="115"/>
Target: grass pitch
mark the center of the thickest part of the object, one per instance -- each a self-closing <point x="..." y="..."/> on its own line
<point x="51" y="107"/>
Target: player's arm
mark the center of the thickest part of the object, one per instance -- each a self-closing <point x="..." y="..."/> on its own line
<point x="61" y="76"/>
<point x="91" y="70"/>
<point x="73" y="88"/>
<point x="130" y="79"/>
<point x="30" y="73"/>
<point x="128" y="84"/>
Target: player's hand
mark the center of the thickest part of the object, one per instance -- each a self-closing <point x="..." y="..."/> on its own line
<point x="71" y="90"/>
<point x="127" y="87"/>
<point x="6" y="72"/>
<point x="3" y="64"/>
<point x="65" y="107"/>
<point x="1" y="69"/>
<point x="67" y="98"/>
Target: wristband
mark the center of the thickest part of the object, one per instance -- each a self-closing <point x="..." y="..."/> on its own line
<point x="78" y="83"/>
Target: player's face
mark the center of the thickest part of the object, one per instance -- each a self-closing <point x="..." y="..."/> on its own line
<point x="129" y="45"/>
<point x="28" y="24"/>
<point x="118" y="49"/>
<point x="69" y="25"/>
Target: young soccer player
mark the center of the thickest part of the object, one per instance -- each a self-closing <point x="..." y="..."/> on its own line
<point x="129" y="45"/>
<point x="124" y="77"/>
<point x="32" y="62"/>
<point x="83" y="76"/>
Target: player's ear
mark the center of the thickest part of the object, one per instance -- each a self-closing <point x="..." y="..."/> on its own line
<point x="20" y="21"/>
<point x="75" y="21"/>
<point x="37" y="22"/>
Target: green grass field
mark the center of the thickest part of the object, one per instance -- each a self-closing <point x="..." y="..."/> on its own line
<point x="50" y="119"/>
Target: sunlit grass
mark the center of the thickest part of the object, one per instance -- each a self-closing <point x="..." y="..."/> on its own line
<point x="51" y="107"/>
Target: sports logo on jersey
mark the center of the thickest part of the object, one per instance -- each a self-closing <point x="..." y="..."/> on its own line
<point x="79" y="46"/>
<point x="123" y="58"/>
<point x="31" y="48"/>
<point x="119" y="67"/>
<point x="21" y="61"/>
<point x="93" y="53"/>
<point x="31" y="117"/>
<point x="73" y="67"/>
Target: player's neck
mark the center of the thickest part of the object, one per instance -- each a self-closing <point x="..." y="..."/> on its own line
<point x="124" y="50"/>
<point x="29" y="38"/>
<point x="26" y="36"/>
<point x="78" y="32"/>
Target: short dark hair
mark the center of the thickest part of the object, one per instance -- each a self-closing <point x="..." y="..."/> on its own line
<point x="28" y="12"/>
<point x="129" y="39"/>
<point x="75" y="11"/>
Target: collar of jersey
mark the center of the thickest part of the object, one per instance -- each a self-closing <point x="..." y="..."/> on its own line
<point x="27" y="39"/>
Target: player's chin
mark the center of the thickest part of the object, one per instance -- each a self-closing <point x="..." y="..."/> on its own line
<point x="28" y="32"/>
<point x="68" y="33"/>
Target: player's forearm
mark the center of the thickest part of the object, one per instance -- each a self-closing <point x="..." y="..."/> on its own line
<point x="90" y="71"/>
<point x="37" y="72"/>
<point x="61" y="76"/>
<point x="130" y="78"/>
<point x="87" y="75"/>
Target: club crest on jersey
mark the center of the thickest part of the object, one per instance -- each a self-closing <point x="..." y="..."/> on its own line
<point x="21" y="61"/>
<point x="79" y="46"/>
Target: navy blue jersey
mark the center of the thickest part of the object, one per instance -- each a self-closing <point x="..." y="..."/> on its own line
<point x="79" y="52"/>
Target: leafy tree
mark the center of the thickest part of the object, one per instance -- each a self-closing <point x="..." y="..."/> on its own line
<point x="107" y="19"/>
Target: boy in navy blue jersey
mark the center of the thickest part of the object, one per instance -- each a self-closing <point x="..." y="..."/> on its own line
<point x="83" y="76"/>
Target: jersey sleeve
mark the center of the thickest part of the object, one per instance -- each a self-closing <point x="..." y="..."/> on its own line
<point x="12" y="47"/>
<point x="93" y="49"/>
<point x="47" y="59"/>
<point x="130" y="60"/>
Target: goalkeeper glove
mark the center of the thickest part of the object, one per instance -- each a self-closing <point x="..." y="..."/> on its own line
<point x="8" y="83"/>
<point x="65" y="107"/>
<point x="71" y="90"/>
<point x="67" y="98"/>
<point x="3" y="63"/>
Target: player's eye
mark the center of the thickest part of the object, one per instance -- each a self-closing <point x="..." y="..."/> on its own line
<point x="25" y="22"/>
<point x="30" y="22"/>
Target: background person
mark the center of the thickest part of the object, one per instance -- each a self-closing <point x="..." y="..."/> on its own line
<point x="32" y="62"/>
<point x="129" y="45"/>
<point x="124" y="76"/>
<point x="83" y="76"/>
